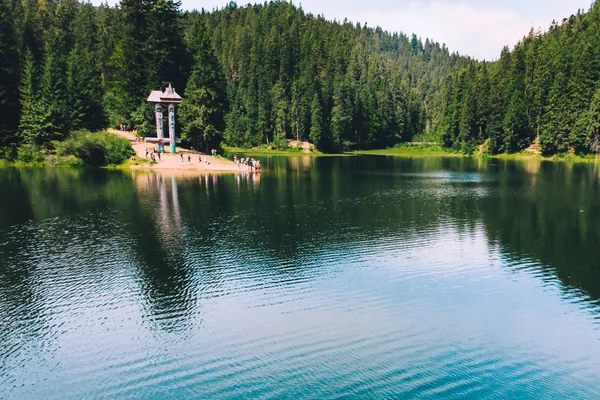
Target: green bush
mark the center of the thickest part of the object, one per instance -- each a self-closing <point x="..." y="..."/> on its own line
<point x="96" y="149"/>
<point x="8" y="153"/>
<point x="64" y="161"/>
<point x="279" y="143"/>
<point x="30" y="153"/>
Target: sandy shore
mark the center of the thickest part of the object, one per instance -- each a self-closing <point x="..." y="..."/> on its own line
<point x="174" y="162"/>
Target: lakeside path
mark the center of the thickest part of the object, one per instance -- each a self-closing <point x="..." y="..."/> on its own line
<point x="173" y="162"/>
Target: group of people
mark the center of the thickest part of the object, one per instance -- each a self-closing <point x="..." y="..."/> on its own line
<point x="249" y="163"/>
<point x="189" y="158"/>
<point x="252" y="164"/>
<point x="154" y="154"/>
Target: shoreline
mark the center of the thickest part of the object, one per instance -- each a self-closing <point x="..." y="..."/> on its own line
<point x="437" y="152"/>
<point x="173" y="163"/>
<point x="284" y="153"/>
<point x="191" y="161"/>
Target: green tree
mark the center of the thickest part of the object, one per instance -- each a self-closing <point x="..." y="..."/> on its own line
<point x="35" y="126"/>
<point x="588" y="124"/>
<point x="128" y="78"/>
<point x="166" y="55"/>
<point x="202" y="109"/>
<point x="9" y="74"/>
<point x="516" y="124"/>
<point x="316" y="121"/>
<point x="280" y="113"/>
<point x="341" y="115"/>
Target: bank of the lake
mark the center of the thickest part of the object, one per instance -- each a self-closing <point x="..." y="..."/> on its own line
<point x="224" y="163"/>
<point x="412" y="151"/>
<point x="230" y="151"/>
<point x="439" y="151"/>
<point x="567" y="158"/>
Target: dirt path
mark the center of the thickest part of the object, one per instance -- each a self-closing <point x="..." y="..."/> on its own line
<point x="170" y="161"/>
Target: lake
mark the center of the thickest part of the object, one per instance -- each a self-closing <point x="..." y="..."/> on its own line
<point x="352" y="277"/>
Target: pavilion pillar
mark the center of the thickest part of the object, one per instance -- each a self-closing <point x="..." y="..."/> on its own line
<point x="159" y="125"/>
<point x="172" y="127"/>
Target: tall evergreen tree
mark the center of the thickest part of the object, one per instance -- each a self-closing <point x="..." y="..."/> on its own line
<point x="35" y="126"/>
<point x="588" y="125"/>
<point x="128" y="80"/>
<point x="316" y="121"/>
<point x="166" y="56"/>
<point x="204" y="101"/>
<point x="9" y="74"/>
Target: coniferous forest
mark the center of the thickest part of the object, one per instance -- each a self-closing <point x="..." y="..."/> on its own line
<point x="266" y="73"/>
<point x="546" y="90"/>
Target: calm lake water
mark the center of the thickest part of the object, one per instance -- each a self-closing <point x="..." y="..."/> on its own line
<point x="366" y="277"/>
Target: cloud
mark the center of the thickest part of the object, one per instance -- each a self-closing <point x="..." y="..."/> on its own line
<point x="472" y="30"/>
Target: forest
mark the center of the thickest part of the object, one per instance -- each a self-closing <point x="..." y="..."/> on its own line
<point x="262" y="74"/>
<point x="545" y="92"/>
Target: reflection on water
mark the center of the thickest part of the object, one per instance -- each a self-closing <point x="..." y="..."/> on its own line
<point x="318" y="277"/>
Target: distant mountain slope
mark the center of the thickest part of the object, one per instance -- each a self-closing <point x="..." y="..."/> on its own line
<point x="547" y="87"/>
<point x="291" y="74"/>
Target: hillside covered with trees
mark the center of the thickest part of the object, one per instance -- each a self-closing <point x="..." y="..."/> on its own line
<point x="266" y="73"/>
<point x="249" y="75"/>
<point x="546" y="90"/>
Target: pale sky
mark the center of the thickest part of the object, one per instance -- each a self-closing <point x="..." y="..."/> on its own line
<point x="476" y="28"/>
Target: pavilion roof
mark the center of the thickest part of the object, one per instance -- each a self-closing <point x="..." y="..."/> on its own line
<point x="168" y="96"/>
<point x="154" y="96"/>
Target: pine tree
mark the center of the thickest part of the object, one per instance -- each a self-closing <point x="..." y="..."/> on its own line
<point x="166" y="55"/>
<point x="85" y="99"/>
<point x="9" y="74"/>
<point x="341" y="115"/>
<point x="516" y="124"/>
<point x="554" y="136"/>
<point x="316" y="121"/>
<point x="280" y="113"/>
<point x="35" y="126"/>
<point x="53" y="96"/>
<point x="202" y="109"/>
<point x="588" y="124"/>
<point x="495" y="128"/>
<point x="128" y="79"/>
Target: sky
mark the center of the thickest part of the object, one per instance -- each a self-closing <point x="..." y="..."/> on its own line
<point x="477" y="28"/>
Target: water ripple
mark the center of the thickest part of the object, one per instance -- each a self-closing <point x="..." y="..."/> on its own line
<point x="206" y="288"/>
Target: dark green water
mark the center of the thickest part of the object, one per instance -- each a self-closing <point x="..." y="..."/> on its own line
<point x="365" y="277"/>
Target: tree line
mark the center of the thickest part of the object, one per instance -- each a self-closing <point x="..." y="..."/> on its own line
<point x="339" y="85"/>
<point x="266" y="73"/>
<point x="249" y="75"/>
<point x="546" y="92"/>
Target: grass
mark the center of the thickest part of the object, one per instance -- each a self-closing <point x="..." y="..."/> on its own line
<point x="290" y="152"/>
<point x="21" y="164"/>
<point x="438" y="151"/>
<point x="412" y="151"/>
<point x="568" y="158"/>
<point x="127" y="164"/>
